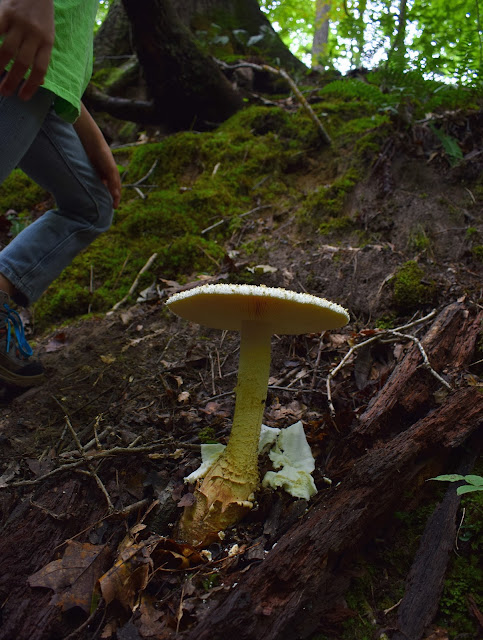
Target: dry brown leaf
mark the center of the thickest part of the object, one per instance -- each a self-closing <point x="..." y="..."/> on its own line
<point x="108" y="359"/>
<point x="128" y="576"/>
<point x="152" y="621"/>
<point x="337" y="340"/>
<point x="74" y="576"/>
<point x="56" y="342"/>
<point x="187" y="500"/>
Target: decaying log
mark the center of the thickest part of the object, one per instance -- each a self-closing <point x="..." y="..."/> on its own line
<point x="408" y="393"/>
<point x="29" y="539"/>
<point x="424" y="583"/>
<point x="286" y="595"/>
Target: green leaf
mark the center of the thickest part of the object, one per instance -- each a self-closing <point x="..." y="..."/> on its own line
<point x="452" y="477"/>
<point x="476" y="480"/>
<point x="467" y="488"/>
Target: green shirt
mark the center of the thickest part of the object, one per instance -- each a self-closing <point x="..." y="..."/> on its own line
<point x="70" y="66"/>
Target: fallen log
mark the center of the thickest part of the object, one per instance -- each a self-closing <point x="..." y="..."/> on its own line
<point x="301" y="577"/>
<point x="409" y="391"/>
<point x="424" y="583"/>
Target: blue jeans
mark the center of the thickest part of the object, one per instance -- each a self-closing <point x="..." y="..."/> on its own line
<point x="48" y="150"/>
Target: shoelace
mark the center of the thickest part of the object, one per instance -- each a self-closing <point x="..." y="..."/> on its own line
<point x="14" y="322"/>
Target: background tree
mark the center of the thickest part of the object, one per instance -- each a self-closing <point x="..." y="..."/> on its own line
<point x="440" y="38"/>
<point x="176" y="45"/>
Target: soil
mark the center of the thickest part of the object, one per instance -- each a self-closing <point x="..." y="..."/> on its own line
<point x="145" y="383"/>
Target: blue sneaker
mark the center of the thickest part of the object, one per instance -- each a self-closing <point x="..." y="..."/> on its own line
<point x="16" y="367"/>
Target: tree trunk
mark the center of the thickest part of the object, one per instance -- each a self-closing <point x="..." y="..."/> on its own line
<point x="396" y="55"/>
<point x="321" y="35"/>
<point x="113" y="40"/>
<point x="232" y="15"/>
<point x="187" y="86"/>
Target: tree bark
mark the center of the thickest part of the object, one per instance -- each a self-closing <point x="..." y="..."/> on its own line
<point x="113" y="40"/>
<point x="321" y="34"/>
<point x="425" y="581"/>
<point x="140" y="111"/>
<point x="187" y="86"/>
<point x="240" y="14"/>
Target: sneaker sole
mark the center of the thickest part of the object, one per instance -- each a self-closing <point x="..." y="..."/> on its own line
<point x="10" y="377"/>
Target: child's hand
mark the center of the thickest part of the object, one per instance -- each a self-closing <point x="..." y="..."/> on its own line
<point x="28" y="30"/>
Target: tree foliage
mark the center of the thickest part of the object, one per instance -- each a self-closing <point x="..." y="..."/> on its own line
<point x="439" y="38"/>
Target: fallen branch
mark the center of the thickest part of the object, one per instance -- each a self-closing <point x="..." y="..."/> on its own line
<point x="135" y="284"/>
<point x="424" y="583"/>
<point x="299" y="95"/>
<point x="136" y="185"/>
<point x="386" y="335"/>
<point x="108" y="453"/>
<point x="242" y="215"/>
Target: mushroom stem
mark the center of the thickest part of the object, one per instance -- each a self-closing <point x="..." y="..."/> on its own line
<point x="226" y="493"/>
<point x="241" y="454"/>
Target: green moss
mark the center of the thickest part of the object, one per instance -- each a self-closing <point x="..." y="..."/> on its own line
<point x="410" y="287"/>
<point x="477" y="252"/>
<point x="357" y="126"/>
<point x="418" y="240"/>
<point x="335" y="226"/>
<point x="20" y="193"/>
<point x="207" y="435"/>
<point x="464" y="577"/>
<point x="197" y="181"/>
<point x="328" y="201"/>
<point x="386" y="321"/>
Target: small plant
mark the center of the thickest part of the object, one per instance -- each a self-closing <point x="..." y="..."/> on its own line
<point x="473" y="483"/>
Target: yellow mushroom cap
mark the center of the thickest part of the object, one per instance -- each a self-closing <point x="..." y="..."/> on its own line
<point x="227" y="306"/>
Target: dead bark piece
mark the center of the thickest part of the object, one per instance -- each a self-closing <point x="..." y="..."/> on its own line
<point x="408" y="393"/>
<point x="425" y="580"/>
<point x="28" y="542"/>
<point x="285" y="596"/>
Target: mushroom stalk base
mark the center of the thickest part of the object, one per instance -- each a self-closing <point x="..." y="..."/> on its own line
<point x="226" y="493"/>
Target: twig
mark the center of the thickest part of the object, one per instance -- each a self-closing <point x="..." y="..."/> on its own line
<point x="426" y="364"/>
<point x="86" y="623"/>
<point x="317" y="361"/>
<point x="459" y="529"/>
<point x="89" y="465"/>
<point x="115" y="451"/>
<point x="384" y="335"/>
<point x="135" y="185"/>
<point x="180" y="607"/>
<point x="242" y="215"/>
<point x="135" y="341"/>
<point x="299" y="95"/>
<point x="394" y="606"/>
<point x="136" y="282"/>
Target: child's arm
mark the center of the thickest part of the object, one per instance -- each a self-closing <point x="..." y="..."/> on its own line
<point x="99" y="153"/>
<point x="28" y="30"/>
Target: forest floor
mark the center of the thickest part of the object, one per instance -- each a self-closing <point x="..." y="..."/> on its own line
<point x="141" y="389"/>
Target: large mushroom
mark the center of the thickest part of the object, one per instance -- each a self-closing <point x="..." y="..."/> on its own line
<point x="257" y="312"/>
